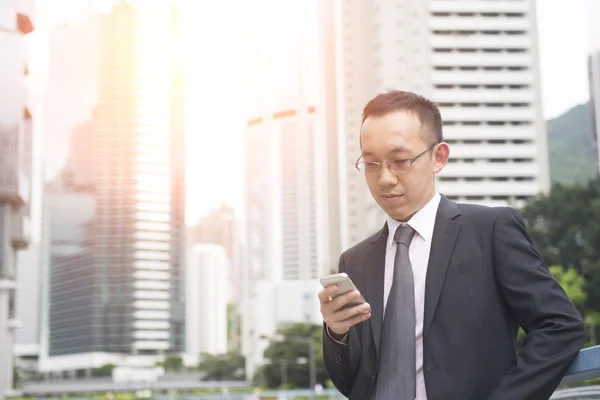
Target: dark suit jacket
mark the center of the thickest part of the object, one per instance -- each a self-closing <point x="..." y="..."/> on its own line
<point x="484" y="280"/>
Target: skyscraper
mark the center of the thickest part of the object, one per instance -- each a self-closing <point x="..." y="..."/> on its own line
<point x="129" y="223"/>
<point x="217" y="227"/>
<point x="206" y="295"/>
<point x="285" y="169"/>
<point x="478" y="61"/>
<point x="16" y="146"/>
<point x="284" y="204"/>
<point x="594" y="79"/>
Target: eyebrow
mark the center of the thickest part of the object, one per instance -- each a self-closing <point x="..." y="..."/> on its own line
<point x="399" y="149"/>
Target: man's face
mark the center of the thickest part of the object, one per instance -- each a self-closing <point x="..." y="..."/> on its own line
<point x="394" y="136"/>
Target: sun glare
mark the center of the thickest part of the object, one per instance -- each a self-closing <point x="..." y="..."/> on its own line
<point x="215" y="95"/>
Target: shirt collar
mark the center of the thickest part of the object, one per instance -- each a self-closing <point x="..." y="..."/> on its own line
<point x="422" y="222"/>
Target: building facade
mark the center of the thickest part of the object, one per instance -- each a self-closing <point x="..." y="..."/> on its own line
<point x="284" y="205"/>
<point x="286" y="232"/>
<point x="206" y="300"/>
<point x="16" y="147"/>
<point x="478" y="61"/>
<point x="128" y="222"/>
<point x="221" y="226"/>
<point x="28" y="305"/>
<point x="291" y="165"/>
<point x="216" y="227"/>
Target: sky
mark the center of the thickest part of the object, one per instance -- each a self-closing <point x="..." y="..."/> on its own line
<point x="565" y="33"/>
<point x="216" y="76"/>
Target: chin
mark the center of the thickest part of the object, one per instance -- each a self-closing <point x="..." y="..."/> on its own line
<point x="402" y="217"/>
<point x="397" y="213"/>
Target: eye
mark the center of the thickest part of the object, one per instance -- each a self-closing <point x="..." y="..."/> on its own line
<point x="371" y="167"/>
<point x="400" y="165"/>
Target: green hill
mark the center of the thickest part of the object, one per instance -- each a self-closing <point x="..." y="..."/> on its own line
<point x="570" y="145"/>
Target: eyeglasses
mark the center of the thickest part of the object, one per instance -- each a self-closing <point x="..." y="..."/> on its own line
<point x="398" y="165"/>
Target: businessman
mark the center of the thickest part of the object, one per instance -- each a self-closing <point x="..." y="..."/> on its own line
<point x="446" y="285"/>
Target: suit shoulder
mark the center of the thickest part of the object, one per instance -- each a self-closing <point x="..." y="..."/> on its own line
<point x="482" y="216"/>
<point x="482" y="211"/>
<point x="361" y="246"/>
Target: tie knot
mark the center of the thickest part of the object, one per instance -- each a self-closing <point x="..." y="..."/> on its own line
<point x="404" y="234"/>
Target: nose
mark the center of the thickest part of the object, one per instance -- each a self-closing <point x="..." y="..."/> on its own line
<point x="387" y="178"/>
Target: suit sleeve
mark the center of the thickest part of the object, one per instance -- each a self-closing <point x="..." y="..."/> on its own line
<point x="554" y="327"/>
<point x="342" y="358"/>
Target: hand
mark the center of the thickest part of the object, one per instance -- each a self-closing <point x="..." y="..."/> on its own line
<point x="339" y="320"/>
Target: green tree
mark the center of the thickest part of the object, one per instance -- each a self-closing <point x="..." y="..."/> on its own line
<point x="222" y="367"/>
<point x="233" y="327"/>
<point x="564" y="225"/>
<point x="572" y="282"/>
<point x="16" y="375"/>
<point x="283" y="369"/>
<point x="105" y="370"/>
<point x="172" y="362"/>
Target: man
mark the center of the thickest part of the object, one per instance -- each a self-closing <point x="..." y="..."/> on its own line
<point x="447" y="285"/>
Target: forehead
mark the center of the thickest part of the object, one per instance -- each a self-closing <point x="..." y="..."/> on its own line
<point x="396" y="132"/>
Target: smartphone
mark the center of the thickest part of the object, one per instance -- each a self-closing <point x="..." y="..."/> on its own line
<point x="345" y="285"/>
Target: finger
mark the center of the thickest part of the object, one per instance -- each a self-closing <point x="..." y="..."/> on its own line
<point x="350" y="322"/>
<point x="325" y="294"/>
<point x="343" y="300"/>
<point x="348" y="313"/>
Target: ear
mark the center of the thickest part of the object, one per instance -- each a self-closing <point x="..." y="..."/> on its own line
<point x="441" y="153"/>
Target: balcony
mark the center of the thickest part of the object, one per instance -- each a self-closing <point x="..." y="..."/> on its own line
<point x="488" y="150"/>
<point x="21" y="232"/>
<point x="480" y="42"/>
<point x="14" y="188"/>
<point x="483" y="96"/>
<point x="499" y="114"/>
<point x="483" y="78"/>
<point x="14" y="324"/>
<point x="7" y="282"/>
<point x="490" y="188"/>
<point x="475" y="6"/>
<point x="480" y="59"/>
<point x="484" y="169"/>
<point x="488" y="132"/>
<point x="478" y="23"/>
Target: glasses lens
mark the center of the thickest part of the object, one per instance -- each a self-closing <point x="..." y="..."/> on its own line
<point x="399" y="165"/>
<point x="370" y="168"/>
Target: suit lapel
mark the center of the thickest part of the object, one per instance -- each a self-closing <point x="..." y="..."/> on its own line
<point x="375" y="259"/>
<point x="442" y="244"/>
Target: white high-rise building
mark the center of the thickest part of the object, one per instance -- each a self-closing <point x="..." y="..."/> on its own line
<point x="28" y="306"/>
<point x="16" y="147"/>
<point x="285" y="216"/>
<point x="284" y="203"/>
<point x="286" y="172"/>
<point x="594" y="80"/>
<point x="206" y="300"/>
<point x="478" y="61"/>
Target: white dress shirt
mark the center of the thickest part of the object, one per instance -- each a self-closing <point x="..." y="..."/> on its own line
<point x="423" y="223"/>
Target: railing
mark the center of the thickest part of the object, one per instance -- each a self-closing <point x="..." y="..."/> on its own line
<point x="579" y="393"/>
<point x="585" y="366"/>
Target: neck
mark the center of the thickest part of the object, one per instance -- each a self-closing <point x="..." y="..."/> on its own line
<point x="426" y="199"/>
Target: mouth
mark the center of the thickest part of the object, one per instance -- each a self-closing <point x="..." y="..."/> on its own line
<point x="391" y="198"/>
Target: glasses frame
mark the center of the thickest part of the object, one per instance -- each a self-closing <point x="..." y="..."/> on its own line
<point x="412" y="160"/>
